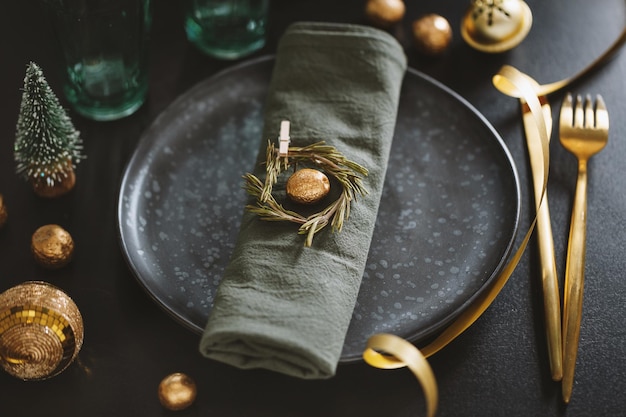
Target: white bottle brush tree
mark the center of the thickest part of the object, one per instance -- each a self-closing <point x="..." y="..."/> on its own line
<point x="47" y="146"/>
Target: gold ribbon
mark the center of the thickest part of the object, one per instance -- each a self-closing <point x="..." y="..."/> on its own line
<point x="399" y="353"/>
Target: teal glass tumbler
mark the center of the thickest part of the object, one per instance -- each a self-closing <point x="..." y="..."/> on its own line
<point x="105" y="48"/>
<point x="226" y="29"/>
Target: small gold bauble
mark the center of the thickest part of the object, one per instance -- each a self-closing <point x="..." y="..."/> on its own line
<point x="4" y="214"/>
<point x="496" y="25"/>
<point x="41" y="330"/>
<point x="307" y="186"/>
<point x="52" y="246"/>
<point x="385" y="13"/>
<point x="177" y="391"/>
<point x="432" y="34"/>
<point x="43" y="189"/>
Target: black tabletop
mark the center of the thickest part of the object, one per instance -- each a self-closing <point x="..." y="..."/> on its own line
<point x="498" y="367"/>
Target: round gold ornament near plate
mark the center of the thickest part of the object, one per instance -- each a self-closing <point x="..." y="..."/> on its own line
<point x="177" y="391"/>
<point x="52" y="246"/>
<point x="385" y="13"/>
<point x="432" y="34"/>
<point x="496" y="26"/>
<point x="41" y="330"/>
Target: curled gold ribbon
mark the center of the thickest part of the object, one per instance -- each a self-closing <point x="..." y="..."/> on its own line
<point x="387" y="351"/>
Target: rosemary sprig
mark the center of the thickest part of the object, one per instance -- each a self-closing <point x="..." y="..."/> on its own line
<point x="326" y="158"/>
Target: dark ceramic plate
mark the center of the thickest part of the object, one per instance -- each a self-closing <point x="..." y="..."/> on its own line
<point x="447" y="220"/>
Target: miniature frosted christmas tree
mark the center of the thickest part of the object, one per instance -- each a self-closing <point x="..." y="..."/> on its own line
<point x="47" y="146"/>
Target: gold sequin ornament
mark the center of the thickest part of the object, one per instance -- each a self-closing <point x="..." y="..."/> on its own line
<point x="41" y="330"/>
<point x="385" y="13"/>
<point x="177" y="391"/>
<point x="307" y="186"/>
<point x="432" y="34"/>
<point x="52" y="246"/>
<point x="4" y="214"/>
<point x="496" y="25"/>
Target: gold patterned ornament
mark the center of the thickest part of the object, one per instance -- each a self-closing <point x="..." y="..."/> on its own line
<point x="41" y="330"/>
<point x="432" y="34"/>
<point x="320" y="156"/>
<point x="52" y="246"/>
<point x="177" y="391"/>
<point x="307" y="186"/>
<point x="4" y="214"/>
<point x="495" y="26"/>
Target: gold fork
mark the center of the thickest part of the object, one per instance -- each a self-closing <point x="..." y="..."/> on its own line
<point x="583" y="132"/>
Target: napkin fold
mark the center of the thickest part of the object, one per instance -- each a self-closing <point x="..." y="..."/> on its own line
<point x="282" y="306"/>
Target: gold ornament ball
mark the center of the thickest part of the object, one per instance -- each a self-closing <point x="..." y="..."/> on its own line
<point x="385" y="13"/>
<point x="496" y="27"/>
<point x="177" y="391"/>
<point x="52" y="246"/>
<point x="4" y="214"/>
<point x="307" y="186"/>
<point x="42" y="330"/>
<point x="432" y="34"/>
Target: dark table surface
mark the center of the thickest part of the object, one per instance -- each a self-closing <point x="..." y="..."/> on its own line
<point x="498" y="367"/>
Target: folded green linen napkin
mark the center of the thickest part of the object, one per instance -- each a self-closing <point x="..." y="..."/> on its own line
<point x="280" y="305"/>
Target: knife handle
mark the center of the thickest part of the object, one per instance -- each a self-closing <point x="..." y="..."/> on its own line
<point x="547" y="259"/>
<point x="549" y="280"/>
<point x="574" y="281"/>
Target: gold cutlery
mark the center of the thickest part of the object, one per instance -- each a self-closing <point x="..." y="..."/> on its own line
<point x="547" y="259"/>
<point x="503" y="82"/>
<point x="583" y="132"/>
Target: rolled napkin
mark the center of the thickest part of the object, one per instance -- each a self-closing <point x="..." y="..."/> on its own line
<point x="282" y="306"/>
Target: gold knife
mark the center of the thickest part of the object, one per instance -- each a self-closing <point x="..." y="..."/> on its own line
<point x="549" y="278"/>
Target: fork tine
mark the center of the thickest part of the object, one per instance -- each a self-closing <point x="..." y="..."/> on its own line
<point x="567" y="115"/>
<point x="590" y="117"/>
<point x="579" y="114"/>
<point x="602" y="115"/>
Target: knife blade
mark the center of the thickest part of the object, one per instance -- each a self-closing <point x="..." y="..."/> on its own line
<point x="545" y="241"/>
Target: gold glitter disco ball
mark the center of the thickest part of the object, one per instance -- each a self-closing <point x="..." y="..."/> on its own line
<point x="41" y="330"/>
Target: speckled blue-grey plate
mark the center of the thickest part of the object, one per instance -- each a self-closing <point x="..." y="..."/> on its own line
<point x="447" y="220"/>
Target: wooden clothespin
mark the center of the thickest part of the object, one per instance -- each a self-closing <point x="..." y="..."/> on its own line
<point x="284" y="138"/>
